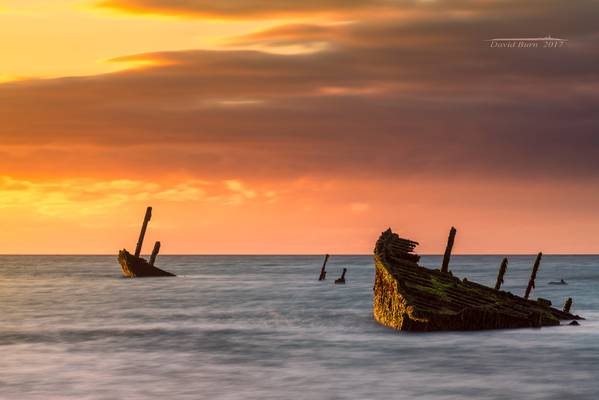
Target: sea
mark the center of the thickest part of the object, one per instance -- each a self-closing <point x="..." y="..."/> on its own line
<point x="263" y="327"/>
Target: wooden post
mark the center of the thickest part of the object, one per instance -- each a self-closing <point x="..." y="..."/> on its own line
<point x="143" y="231"/>
<point x="533" y="275"/>
<point x="450" y="239"/>
<point x="568" y="305"/>
<point x="342" y="279"/>
<point x="154" y="253"/>
<point x="502" y="271"/>
<point x="323" y="273"/>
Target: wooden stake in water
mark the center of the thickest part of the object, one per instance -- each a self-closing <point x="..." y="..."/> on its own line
<point x="342" y="279"/>
<point x="143" y="231"/>
<point x="568" y="305"/>
<point x="447" y="256"/>
<point x="154" y="253"/>
<point x="533" y="275"/>
<point x="323" y="273"/>
<point x="502" y="271"/>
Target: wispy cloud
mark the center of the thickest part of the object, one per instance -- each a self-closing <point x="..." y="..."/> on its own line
<point x="238" y="9"/>
<point x="72" y="198"/>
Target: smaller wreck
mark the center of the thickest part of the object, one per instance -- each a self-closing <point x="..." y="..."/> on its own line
<point x="133" y="265"/>
<point x="409" y="297"/>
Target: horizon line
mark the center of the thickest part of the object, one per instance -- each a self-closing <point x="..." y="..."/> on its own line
<point x="285" y="254"/>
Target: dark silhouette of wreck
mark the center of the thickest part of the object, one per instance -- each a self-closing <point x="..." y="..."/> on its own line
<point x="133" y="265"/>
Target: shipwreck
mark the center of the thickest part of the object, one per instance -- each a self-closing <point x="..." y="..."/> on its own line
<point x="133" y="265"/>
<point x="409" y="297"/>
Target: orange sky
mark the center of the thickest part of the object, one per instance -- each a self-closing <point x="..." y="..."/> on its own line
<point x="297" y="127"/>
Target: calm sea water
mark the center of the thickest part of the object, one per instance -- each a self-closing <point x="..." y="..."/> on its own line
<point x="262" y="327"/>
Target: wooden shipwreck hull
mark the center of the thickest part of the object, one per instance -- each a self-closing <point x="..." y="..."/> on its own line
<point x="137" y="267"/>
<point x="409" y="297"/>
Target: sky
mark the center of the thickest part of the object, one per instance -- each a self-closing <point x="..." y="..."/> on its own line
<point x="297" y="127"/>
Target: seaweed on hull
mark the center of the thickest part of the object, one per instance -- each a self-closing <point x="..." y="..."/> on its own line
<point x="409" y="297"/>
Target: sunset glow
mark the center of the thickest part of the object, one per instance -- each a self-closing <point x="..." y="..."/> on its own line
<point x="256" y="128"/>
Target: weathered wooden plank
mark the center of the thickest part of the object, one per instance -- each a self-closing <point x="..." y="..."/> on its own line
<point x="502" y="270"/>
<point x="341" y="280"/>
<point x="447" y="255"/>
<point x="140" y="241"/>
<point x="154" y="253"/>
<point x="568" y="305"/>
<point x="323" y="272"/>
<point x="533" y="275"/>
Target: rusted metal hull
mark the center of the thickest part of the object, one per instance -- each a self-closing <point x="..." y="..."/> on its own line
<point x="408" y="297"/>
<point x="136" y="267"/>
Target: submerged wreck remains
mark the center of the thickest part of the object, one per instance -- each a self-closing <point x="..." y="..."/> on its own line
<point x="136" y="267"/>
<point x="409" y="297"/>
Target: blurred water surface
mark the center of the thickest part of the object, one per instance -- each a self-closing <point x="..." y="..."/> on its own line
<point x="262" y="327"/>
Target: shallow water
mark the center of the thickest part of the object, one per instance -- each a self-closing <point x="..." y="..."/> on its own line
<point x="262" y="327"/>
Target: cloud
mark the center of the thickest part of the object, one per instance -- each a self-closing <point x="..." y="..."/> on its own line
<point x="73" y="198"/>
<point x="466" y="11"/>
<point x="386" y="98"/>
<point x="240" y="9"/>
<point x="240" y="192"/>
